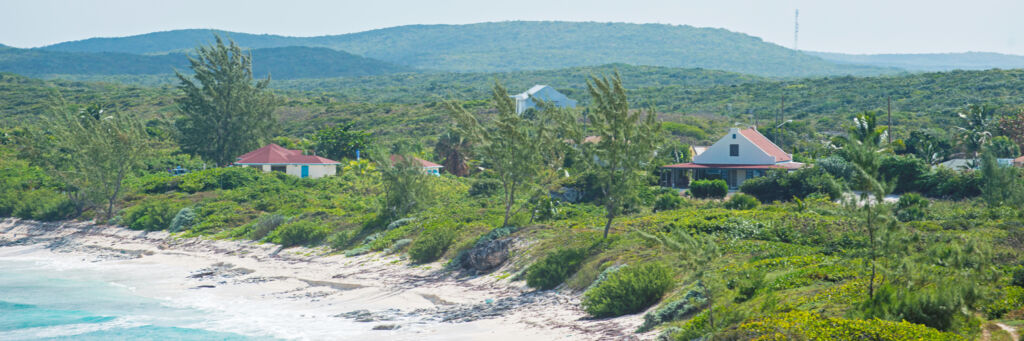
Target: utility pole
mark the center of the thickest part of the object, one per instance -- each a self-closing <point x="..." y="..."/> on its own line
<point x="888" y="108"/>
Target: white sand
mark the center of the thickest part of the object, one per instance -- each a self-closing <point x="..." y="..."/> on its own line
<point x="297" y="293"/>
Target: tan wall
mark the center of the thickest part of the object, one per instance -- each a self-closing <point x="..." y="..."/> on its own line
<point x="315" y="171"/>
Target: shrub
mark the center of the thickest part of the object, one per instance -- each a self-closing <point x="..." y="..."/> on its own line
<point x="912" y="206"/>
<point x="300" y="233"/>
<point x="399" y="245"/>
<point x="1012" y="298"/>
<point x="836" y="166"/>
<point x="668" y="201"/>
<point x="265" y="224"/>
<point x="780" y="185"/>
<point x="339" y="239"/>
<point x="709" y="189"/>
<point x="742" y="201"/>
<point x="554" y="268"/>
<point x="431" y="244"/>
<point x="906" y="171"/>
<point x="484" y="187"/>
<point x="675" y="310"/>
<point x="152" y="215"/>
<point x="154" y="183"/>
<point x="185" y="218"/>
<point x="1018" y="276"/>
<point x="627" y="291"/>
<point x="43" y="205"/>
<point x="803" y="325"/>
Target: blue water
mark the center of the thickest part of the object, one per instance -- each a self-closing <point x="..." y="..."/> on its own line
<point x="41" y="304"/>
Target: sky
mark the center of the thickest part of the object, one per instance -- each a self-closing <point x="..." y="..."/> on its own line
<point x="849" y="26"/>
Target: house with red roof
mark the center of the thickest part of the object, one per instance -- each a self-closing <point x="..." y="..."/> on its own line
<point x="427" y="166"/>
<point x="739" y="155"/>
<point x="274" y="158"/>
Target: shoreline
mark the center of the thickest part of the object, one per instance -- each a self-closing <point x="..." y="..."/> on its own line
<point x="301" y="293"/>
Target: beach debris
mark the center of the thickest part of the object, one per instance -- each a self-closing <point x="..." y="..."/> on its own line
<point x="386" y="327"/>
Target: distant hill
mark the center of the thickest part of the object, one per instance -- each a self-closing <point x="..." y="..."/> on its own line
<point x="522" y="45"/>
<point x="281" y="63"/>
<point x="930" y="61"/>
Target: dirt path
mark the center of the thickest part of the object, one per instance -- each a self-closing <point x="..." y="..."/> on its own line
<point x="1012" y="331"/>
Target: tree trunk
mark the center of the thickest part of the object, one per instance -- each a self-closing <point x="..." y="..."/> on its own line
<point x="508" y="205"/>
<point x="608" y="225"/>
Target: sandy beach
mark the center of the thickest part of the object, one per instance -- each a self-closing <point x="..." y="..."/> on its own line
<point x="303" y="293"/>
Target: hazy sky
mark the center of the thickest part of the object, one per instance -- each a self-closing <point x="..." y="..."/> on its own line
<point x="851" y="26"/>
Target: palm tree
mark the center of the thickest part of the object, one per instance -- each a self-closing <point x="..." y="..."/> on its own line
<point x="975" y="130"/>
<point x="455" y="151"/>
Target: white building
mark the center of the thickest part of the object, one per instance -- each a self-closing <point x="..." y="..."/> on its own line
<point x="739" y="155"/>
<point x="274" y="158"/>
<point x="549" y="95"/>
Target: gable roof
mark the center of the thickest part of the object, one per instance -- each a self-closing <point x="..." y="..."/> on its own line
<point x="533" y="90"/>
<point x="697" y="150"/>
<point x="274" y="154"/>
<point x="423" y="163"/>
<point x="767" y="146"/>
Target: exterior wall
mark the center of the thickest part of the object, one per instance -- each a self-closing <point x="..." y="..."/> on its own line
<point x="750" y="154"/>
<point x="432" y="170"/>
<point x="315" y="171"/>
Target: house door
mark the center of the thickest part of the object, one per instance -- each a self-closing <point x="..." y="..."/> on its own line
<point x="732" y="178"/>
<point x="305" y="171"/>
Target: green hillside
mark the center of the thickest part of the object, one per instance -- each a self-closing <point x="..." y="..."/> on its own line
<point x="930" y="61"/>
<point x="283" y="63"/>
<point x="523" y="45"/>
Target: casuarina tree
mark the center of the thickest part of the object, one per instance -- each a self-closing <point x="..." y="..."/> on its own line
<point x="624" y="147"/>
<point x="224" y="113"/>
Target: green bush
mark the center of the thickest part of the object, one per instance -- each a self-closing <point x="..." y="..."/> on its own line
<point x="484" y="187"/>
<point x="668" y="201"/>
<point x="1011" y="298"/>
<point x="912" y="206"/>
<point x="692" y="302"/>
<point x="184" y="220"/>
<point x="803" y="325"/>
<point x="152" y="215"/>
<point x="905" y="171"/>
<point x="431" y="244"/>
<point x="300" y="233"/>
<point x="709" y="189"/>
<point x="43" y="205"/>
<point x="629" y="290"/>
<point x="838" y="167"/>
<point x="154" y="183"/>
<point x="266" y="224"/>
<point x="742" y="201"/>
<point x="218" y="178"/>
<point x="781" y="185"/>
<point x="554" y="268"/>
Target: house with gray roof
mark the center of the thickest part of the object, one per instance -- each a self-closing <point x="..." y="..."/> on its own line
<point x="525" y="101"/>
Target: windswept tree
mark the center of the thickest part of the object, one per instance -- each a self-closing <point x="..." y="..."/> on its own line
<point x="519" y="150"/>
<point x="626" y="140"/>
<point x="224" y="113"/>
<point x="406" y="187"/>
<point x="1000" y="185"/>
<point x="91" y="151"/>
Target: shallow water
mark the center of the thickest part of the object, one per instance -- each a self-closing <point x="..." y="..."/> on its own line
<point x="39" y="301"/>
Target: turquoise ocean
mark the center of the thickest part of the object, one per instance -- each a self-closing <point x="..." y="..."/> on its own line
<point x="38" y="303"/>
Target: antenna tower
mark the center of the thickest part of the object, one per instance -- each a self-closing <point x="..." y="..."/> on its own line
<point x="796" y="29"/>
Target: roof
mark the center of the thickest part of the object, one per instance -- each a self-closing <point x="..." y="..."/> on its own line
<point x="691" y="165"/>
<point x="1019" y="160"/>
<point x="697" y="150"/>
<point x="423" y="163"/>
<point x="958" y="164"/>
<point x="530" y="92"/>
<point x="274" y="154"/>
<point x="765" y="145"/>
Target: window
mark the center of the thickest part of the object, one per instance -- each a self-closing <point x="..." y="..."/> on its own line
<point x="734" y="150"/>
<point x="281" y="169"/>
<point x="750" y="174"/>
<point x="733" y="136"/>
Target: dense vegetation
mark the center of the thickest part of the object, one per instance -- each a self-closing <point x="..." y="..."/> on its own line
<point x="521" y="45"/>
<point x="283" y="63"/>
